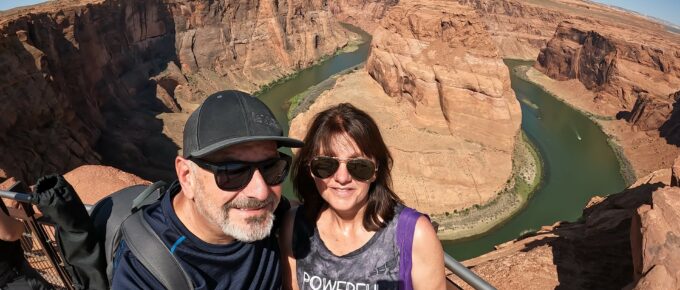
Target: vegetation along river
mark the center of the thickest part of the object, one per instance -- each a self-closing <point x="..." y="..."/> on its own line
<point x="578" y="161"/>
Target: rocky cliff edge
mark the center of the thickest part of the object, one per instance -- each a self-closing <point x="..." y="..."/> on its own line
<point x="626" y="240"/>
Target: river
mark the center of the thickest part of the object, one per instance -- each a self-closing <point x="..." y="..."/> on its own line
<point x="578" y="164"/>
<point x="578" y="161"/>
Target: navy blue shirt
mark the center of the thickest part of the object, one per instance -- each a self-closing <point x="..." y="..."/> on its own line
<point x="237" y="265"/>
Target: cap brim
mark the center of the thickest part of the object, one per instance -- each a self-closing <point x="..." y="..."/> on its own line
<point x="280" y="141"/>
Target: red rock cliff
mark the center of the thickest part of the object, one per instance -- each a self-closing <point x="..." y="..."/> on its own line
<point x="628" y="74"/>
<point x="362" y="13"/>
<point x="619" y="65"/>
<point x="521" y="28"/>
<point x="82" y="82"/>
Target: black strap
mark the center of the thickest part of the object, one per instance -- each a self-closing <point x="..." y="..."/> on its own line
<point x="153" y="254"/>
<point x="142" y="198"/>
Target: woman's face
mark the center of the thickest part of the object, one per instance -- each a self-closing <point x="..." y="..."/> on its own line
<point x="341" y="191"/>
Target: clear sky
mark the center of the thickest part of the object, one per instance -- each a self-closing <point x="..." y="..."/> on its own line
<point x="668" y="10"/>
<point x="8" y="4"/>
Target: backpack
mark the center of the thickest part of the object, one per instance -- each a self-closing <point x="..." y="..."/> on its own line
<point x="119" y="216"/>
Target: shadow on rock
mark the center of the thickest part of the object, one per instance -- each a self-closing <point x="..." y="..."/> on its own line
<point x="670" y="130"/>
<point x="595" y="252"/>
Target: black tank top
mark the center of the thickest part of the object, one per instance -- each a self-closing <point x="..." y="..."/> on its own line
<point x="11" y="254"/>
<point x="373" y="266"/>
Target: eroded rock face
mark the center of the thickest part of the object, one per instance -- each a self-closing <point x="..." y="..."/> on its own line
<point x="519" y="28"/>
<point x="89" y="78"/>
<point x="657" y="230"/>
<point x="650" y="113"/>
<point x="442" y="98"/>
<point x="675" y="179"/>
<point x="621" y="66"/>
<point x="247" y="44"/>
<point x="670" y="129"/>
<point x="446" y="67"/>
<point x="362" y="13"/>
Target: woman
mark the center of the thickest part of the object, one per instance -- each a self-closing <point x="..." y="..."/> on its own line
<point x="351" y="233"/>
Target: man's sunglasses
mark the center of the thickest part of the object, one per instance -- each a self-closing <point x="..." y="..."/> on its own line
<point x="235" y="175"/>
<point x="361" y="169"/>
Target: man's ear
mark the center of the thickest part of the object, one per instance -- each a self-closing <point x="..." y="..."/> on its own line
<point x="185" y="176"/>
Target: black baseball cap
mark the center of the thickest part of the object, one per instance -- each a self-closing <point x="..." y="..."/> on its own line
<point x="228" y="118"/>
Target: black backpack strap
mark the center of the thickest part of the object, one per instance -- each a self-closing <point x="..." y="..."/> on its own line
<point x="143" y="198"/>
<point x="148" y="248"/>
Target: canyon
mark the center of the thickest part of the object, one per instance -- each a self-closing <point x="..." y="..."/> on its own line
<point x="110" y="82"/>
<point x="618" y="66"/>
<point x="434" y="75"/>
<point x="629" y="81"/>
<point x="621" y="70"/>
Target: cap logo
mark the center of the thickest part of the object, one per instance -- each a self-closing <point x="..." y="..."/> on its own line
<point x="264" y="120"/>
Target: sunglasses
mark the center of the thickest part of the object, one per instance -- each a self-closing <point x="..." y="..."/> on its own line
<point x="361" y="169"/>
<point x="235" y="175"/>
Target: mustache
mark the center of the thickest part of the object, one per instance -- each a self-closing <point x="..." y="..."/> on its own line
<point x="249" y="203"/>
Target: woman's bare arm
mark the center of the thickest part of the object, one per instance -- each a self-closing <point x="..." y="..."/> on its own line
<point x="428" y="258"/>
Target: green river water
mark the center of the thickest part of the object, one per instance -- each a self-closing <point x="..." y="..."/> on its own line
<point x="578" y="161"/>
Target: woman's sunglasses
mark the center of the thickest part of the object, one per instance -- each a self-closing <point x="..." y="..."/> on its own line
<point x="235" y="175"/>
<point x="361" y="169"/>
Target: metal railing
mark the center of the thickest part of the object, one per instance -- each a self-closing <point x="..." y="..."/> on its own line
<point x="39" y="243"/>
<point x="466" y="274"/>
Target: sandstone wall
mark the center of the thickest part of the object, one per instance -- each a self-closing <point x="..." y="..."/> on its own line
<point x="619" y="65"/>
<point x="655" y="236"/>
<point x="362" y="13"/>
<point x="441" y="96"/>
<point x="447" y="68"/>
<point x="519" y="28"/>
<point x="83" y="82"/>
<point x="670" y="129"/>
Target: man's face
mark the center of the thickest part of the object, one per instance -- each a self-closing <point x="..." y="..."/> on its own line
<point x="245" y="214"/>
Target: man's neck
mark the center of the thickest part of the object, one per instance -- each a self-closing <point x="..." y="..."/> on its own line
<point x="198" y="224"/>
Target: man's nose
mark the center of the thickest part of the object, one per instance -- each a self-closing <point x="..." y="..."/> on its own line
<point x="257" y="187"/>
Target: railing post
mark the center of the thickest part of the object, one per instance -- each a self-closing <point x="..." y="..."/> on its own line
<point x="466" y="274"/>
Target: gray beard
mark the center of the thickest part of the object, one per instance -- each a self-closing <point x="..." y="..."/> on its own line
<point x="255" y="228"/>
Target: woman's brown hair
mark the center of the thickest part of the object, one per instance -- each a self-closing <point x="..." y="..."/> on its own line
<point x="358" y="125"/>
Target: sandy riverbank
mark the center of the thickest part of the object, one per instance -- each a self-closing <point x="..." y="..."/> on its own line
<point x="527" y="169"/>
<point x="639" y="152"/>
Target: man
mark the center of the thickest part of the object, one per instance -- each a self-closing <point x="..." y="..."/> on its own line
<point x="15" y="272"/>
<point x="217" y="219"/>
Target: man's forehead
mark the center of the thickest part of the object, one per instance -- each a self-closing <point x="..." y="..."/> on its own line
<point x="249" y="151"/>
